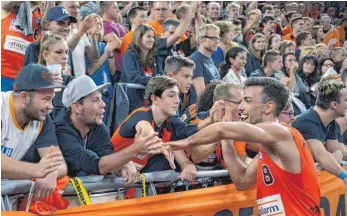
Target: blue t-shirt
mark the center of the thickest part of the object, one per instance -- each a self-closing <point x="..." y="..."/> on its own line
<point x="311" y="127"/>
<point x="218" y="56"/>
<point x="102" y="75"/>
<point x="205" y="68"/>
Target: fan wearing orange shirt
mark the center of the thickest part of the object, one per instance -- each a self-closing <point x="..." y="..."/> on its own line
<point x="284" y="170"/>
<point x="297" y="26"/>
<point x="14" y="42"/>
<point x="290" y="16"/>
<point x="137" y="16"/>
<point x="161" y="11"/>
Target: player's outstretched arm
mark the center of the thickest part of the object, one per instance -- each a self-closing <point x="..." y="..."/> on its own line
<point x="235" y="131"/>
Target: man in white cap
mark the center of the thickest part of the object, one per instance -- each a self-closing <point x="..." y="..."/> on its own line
<point x="85" y="140"/>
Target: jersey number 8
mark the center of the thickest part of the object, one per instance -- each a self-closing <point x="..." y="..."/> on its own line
<point x="267" y="176"/>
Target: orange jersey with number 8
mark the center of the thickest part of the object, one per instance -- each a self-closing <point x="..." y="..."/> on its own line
<point x="283" y="193"/>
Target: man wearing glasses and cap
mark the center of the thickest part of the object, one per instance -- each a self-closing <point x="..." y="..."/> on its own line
<point x="27" y="131"/>
<point x="85" y="140"/>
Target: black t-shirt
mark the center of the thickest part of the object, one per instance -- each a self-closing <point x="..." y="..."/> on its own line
<point x="45" y="139"/>
<point x="311" y="127"/>
<point x="342" y="138"/>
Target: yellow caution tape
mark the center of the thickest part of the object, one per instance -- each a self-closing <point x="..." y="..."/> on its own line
<point x="80" y="191"/>
<point x="143" y="180"/>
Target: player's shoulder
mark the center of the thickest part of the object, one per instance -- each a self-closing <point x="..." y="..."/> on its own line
<point x="276" y="129"/>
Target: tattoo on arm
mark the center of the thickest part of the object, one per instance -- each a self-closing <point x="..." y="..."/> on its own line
<point x="93" y="51"/>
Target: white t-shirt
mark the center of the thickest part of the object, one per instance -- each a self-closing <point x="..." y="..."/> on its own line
<point x="232" y="78"/>
<point x="78" y="56"/>
<point x="15" y="141"/>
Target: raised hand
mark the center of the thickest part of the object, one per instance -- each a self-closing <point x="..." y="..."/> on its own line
<point x="228" y="115"/>
<point x="149" y="144"/>
<point x="87" y="24"/>
<point x="217" y="111"/>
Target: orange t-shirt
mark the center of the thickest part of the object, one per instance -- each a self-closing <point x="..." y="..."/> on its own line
<point x="285" y="193"/>
<point x="313" y="14"/>
<point x="159" y="29"/>
<point x="342" y="35"/>
<point x="127" y="40"/>
<point x="290" y="37"/>
<point x="287" y="30"/>
<point x="331" y="35"/>
<point x="13" y="46"/>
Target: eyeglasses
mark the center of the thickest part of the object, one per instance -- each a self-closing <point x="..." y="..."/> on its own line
<point x="234" y="102"/>
<point x="289" y="114"/>
<point x="329" y="65"/>
<point x="216" y="39"/>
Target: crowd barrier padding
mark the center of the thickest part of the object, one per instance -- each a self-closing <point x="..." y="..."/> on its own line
<point x="208" y="201"/>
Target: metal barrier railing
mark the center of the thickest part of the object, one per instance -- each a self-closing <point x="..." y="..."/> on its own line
<point x="91" y="183"/>
<point x="13" y="188"/>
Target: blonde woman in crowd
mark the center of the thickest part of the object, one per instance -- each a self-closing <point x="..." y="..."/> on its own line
<point x="309" y="50"/>
<point x="54" y="55"/>
<point x="322" y="51"/>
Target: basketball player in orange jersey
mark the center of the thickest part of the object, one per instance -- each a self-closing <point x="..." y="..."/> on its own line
<point x="284" y="170"/>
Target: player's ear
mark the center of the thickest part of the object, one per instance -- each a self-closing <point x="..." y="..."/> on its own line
<point x="269" y="107"/>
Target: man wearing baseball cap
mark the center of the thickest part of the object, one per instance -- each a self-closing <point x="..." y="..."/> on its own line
<point x="85" y="140"/>
<point x="27" y="132"/>
<point x="59" y="22"/>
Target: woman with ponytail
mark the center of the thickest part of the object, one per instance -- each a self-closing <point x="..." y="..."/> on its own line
<point x="54" y="51"/>
<point x="232" y="70"/>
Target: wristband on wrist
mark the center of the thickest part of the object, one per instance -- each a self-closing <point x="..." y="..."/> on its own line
<point x="343" y="175"/>
<point x="110" y="57"/>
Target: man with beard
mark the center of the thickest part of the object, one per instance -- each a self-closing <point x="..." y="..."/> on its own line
<point x="85" y="140"/>
<point x="284" y="171"/>
<point x="27" y="131"/>
<point x="205" y="70"/>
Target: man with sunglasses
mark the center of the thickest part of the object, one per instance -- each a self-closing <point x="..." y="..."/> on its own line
<point x="205" y="70"/>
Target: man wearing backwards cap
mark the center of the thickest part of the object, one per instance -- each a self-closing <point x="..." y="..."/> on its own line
<point x="85" y="140"/>
<point x="27" y="131"/>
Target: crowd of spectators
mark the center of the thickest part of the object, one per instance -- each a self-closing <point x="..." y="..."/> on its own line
<point x="62" y="61"/>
